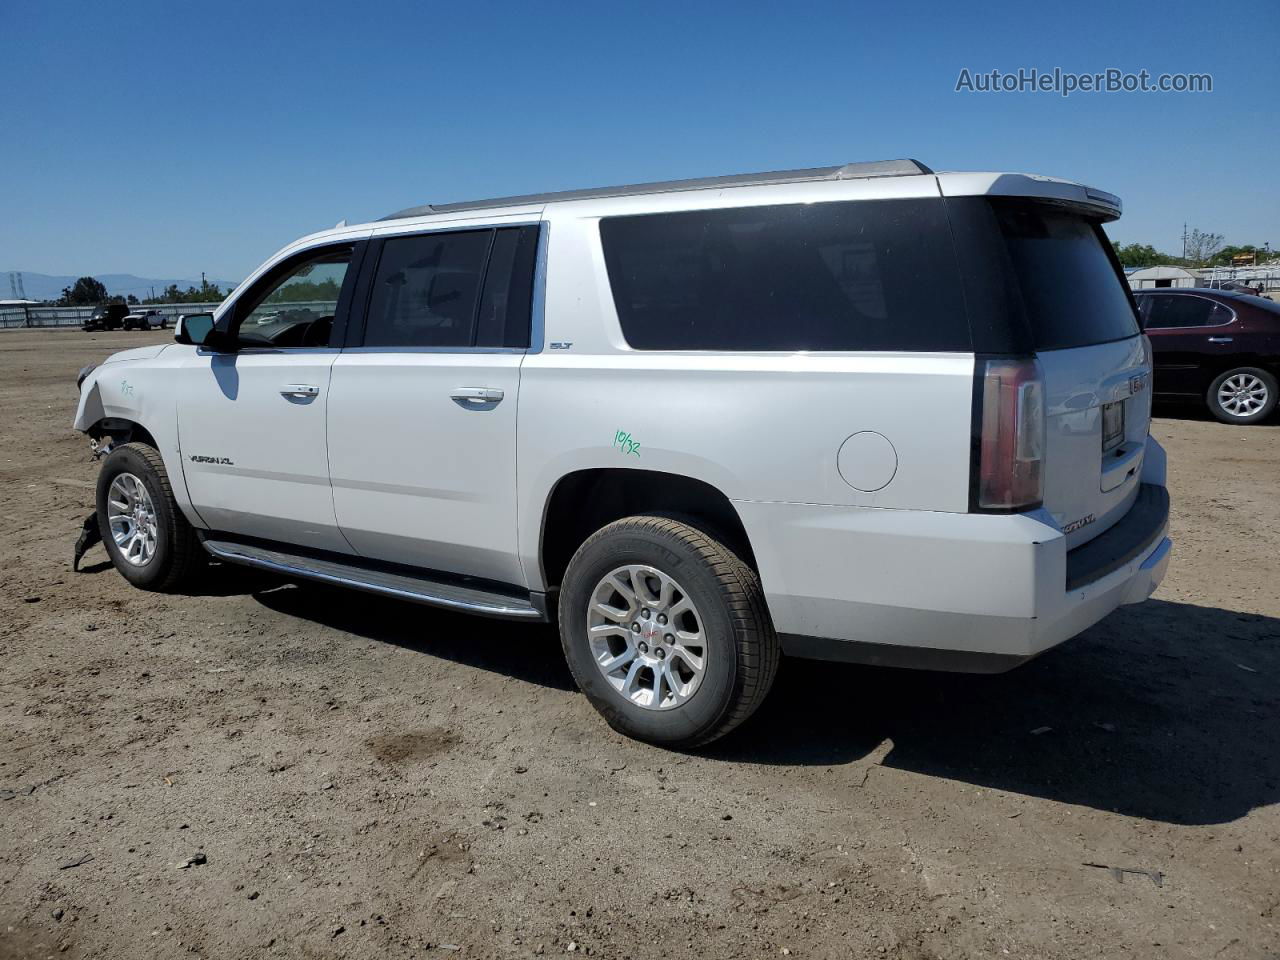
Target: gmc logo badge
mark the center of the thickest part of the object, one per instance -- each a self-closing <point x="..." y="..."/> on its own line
<point x="1137" y="384"/>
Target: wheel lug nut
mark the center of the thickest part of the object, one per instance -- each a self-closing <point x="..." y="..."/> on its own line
<point x="669" y="638"/>
<point x="662" y="619"/>
<point x="643" y="647"/>
<point x="635" y="628"/>
<point x="644" y="614"/>
<point x="661" y="653"/>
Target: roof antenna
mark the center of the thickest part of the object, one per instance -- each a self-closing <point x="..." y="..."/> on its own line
<point x="340" y="224"/>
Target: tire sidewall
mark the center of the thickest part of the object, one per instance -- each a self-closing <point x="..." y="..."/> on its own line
<point x="714" y="697"/>
<point x="127" y="460"/>
<point x="1226" y="417"/>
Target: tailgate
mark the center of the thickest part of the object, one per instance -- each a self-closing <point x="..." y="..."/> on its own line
<point x="1097" y="411"/>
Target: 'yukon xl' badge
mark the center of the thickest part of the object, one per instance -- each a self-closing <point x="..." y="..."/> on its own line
<point x="1075" y="525"/>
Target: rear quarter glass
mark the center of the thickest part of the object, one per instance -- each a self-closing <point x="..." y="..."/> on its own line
<point x="1071" y="291"/>
<point x="842" y="276"/>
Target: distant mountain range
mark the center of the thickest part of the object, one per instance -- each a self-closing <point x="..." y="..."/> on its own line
<point x="42" y="286"/>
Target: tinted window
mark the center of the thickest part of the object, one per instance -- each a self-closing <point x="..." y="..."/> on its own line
<point x="460" y="289"/>
<point x="1178" y="311"/>
<point x="1070" y="289"/>
<point x="867" y="275"/>
<point x="506" y="307"/>
<point x="425" y="290"/>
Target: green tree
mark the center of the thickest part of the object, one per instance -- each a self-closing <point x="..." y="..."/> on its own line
<point x="303" y="290"/>
<point x="1201" y="246"/>
<point x="1142" y="255"/>
<point x="1223" y="257"/>
<point x="86" y="291"/>
<point x="205" y="293"/>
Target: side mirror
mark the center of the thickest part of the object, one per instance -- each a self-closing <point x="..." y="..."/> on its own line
<point x="198" y="329"/>
<point x="193" y="328"/>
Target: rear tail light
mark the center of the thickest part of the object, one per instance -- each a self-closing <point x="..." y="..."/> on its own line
<point x="1010" y="472"/>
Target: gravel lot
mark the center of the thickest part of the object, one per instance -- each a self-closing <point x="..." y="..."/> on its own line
<point x="356" y="777"/>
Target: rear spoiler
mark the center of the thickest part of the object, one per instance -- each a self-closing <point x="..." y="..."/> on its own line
<point x="1089" y="201"/>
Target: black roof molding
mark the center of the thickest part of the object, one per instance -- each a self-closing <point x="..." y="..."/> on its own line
<point x="848" y="171"/>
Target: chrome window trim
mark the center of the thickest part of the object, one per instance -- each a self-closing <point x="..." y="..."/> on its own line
<point x="538" y="311"/>
<point x="354" y="350"/>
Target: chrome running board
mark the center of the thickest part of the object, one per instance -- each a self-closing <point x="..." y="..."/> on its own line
<point x="403" y="586"/>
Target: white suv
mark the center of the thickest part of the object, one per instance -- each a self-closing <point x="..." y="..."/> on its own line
<point x="865" y="413"/>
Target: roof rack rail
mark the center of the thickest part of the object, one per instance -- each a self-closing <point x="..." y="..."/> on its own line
<point x="848" y="171"/>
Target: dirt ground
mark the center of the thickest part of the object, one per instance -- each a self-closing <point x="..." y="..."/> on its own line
<point x="365" y="778"/>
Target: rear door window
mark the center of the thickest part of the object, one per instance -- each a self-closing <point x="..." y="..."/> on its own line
<point x="457" y="289"/>
<point x="844" y="276"/>
<point x="1170" y="312"/>
<point x="1071" y="291"/>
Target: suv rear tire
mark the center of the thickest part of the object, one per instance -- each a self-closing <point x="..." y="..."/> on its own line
<point x="148" y="539"/>
<point x="666" y="631"/>
<point x="1243" y="395"/>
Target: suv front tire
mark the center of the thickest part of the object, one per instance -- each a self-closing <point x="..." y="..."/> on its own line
<point x="148" y="539"/>
<point x="666" y="631"/>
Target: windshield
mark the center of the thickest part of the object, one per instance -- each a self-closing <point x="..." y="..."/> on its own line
<point x="1071" y="291"/>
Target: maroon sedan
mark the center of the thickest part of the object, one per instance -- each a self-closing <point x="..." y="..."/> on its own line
<point x="1217" y="346"/>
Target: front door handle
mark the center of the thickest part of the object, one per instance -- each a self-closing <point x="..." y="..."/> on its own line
<point x="299" y="391"/>
<point x="477" y="395"/>
<point x="1220" y="339"/>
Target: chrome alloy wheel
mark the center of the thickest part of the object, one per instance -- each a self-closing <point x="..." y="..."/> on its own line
<point x="1242" y="395"/>
<point x="646" y="637"/>
<point x="132" y="518"/>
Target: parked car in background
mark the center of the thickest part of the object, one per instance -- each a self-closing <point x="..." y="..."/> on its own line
<point x="1234" y="286"/>
<point x="108" y="316"/>
<point x="1217" y="346"/>
<point x="145" y="320"/>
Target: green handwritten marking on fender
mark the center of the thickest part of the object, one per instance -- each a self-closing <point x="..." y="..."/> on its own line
<point x="126" y="388"/>
<point x="622" y="440"/>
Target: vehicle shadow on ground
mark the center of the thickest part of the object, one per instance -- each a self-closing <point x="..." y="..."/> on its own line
<point x="528" y="652"/>
<point x="1167" y="711"/>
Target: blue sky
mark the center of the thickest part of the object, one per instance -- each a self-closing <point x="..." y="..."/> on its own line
<point x="164" y="139"/>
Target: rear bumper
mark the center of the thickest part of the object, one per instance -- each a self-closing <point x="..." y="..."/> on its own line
<point x="947" y="591"/>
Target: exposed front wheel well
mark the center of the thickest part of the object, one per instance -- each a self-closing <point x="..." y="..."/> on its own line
<point x="587" y="500"/>
<point x="122" y="431"/>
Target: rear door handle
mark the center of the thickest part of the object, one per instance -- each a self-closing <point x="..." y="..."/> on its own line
<point x="300" y="391"/>
<point x="477" y="395"/>
<point x="1220" y="339"/>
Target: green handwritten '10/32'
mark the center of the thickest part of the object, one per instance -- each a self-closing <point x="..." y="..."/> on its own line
<point x="622" y="440"/>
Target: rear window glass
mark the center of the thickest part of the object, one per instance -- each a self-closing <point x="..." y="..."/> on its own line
<point x="863" y="275"/>
<point x="1070" y="290"/>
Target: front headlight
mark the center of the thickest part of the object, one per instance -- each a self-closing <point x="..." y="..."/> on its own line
<point x="84" y="372"/>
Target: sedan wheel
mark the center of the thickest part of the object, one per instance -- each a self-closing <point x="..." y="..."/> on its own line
<point x="1243" y="395"/>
